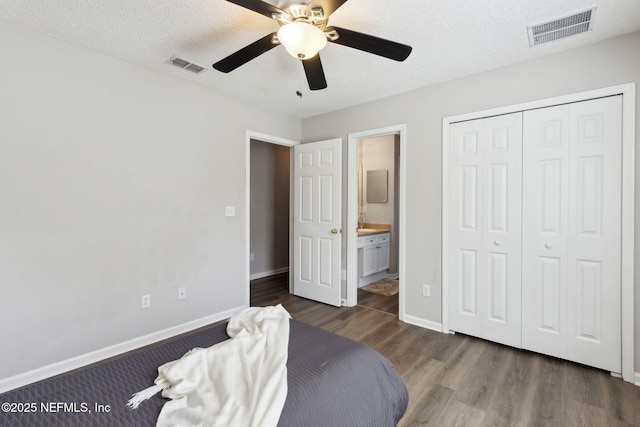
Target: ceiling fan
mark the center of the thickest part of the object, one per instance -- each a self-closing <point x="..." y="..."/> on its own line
<point x="304" y="32"/>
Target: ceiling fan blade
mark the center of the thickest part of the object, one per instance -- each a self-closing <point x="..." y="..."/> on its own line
<point x="315" y="73"/>
<point x="371" y="44"/>
<point x="245" y="54"/>
<point x="328" y="6"/>
<point x="259" y="6"/>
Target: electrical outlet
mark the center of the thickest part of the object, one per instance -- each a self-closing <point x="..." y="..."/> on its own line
<point x="146" y="301"/>
<point x="182" y="292"/>
<point x="426" y="290"/>
<point x="230" y="211"/>
<point x="343" y="274"/>
<point x="252" y="256"/>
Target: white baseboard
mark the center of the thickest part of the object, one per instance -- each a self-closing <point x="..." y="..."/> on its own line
<point x="63" y="366"/>
<point x="423" y="323"/>
<point x="636" y="378"/>
<point x="268" y="273"/>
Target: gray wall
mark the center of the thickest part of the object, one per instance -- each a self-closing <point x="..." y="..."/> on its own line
<point x="269" y="224"/>
<point x="113" y="184"/>
<point x="609" y="63"/>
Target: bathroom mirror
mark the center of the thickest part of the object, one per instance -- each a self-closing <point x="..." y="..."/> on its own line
<point x="377" y="186"/>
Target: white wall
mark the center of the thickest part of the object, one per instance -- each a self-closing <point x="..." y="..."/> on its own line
<point x="609" y="63"/>
<point x="113" y="184"/>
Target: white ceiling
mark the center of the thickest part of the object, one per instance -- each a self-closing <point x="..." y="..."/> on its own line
<point x="450" y="38"/>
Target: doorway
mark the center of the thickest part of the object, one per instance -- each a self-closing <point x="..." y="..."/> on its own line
<point x="322" y="270"/>
<point x="356" y="200"/>
<point x="265" y="267"/>
<point x="269" y="217"/>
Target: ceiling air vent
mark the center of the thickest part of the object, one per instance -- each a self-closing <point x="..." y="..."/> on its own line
<point x="186" y="65"/>
<point x="560" y="28"/>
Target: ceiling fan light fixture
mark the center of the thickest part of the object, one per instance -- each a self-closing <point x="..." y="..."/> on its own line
<point x="302" y="40"/>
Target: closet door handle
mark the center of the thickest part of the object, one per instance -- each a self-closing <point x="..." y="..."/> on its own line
<point x="548" y="245"/>
<point x="497" y="242"/>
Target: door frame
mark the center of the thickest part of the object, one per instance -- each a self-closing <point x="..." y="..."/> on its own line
<point x="628" y="199"/>
<point x="352" y="211"/>
<point x="270" y="139"/>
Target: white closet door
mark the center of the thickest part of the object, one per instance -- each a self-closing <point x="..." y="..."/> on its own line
<point x="544" y="235"/>
<point x="571" y="232"/>
<point x="485" y="176"/>
<point x="502" y="248"/>
<point x="465" y="156"/>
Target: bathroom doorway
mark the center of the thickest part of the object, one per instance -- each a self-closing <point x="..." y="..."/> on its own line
<point x="375" y="200"/>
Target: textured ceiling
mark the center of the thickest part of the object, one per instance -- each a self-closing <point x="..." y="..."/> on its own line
<point x="450" y="38"/>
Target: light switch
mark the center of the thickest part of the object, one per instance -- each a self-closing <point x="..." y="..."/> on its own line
<point x="426" y="290"/>
<point x="230" y="211"/>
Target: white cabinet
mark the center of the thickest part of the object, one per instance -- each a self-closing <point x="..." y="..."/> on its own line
<point x="369" y="261"/>
<point x="373" y="258"/>
<point x="535" y="242"/>
<point x="382" y="253"/>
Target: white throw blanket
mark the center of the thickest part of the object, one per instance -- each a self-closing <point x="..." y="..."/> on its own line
<point x="238" y="382"/>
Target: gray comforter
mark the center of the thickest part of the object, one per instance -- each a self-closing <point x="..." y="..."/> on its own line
<point x="332" y="381"/>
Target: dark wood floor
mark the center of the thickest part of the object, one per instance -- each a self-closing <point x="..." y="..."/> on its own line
<point x="386" y="304"/>
<point x="464" y="381"/>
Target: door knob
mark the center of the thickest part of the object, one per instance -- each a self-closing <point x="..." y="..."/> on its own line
<point x="496" y="242"/>
<point x="335" y="231"/>
<point x="548" y="245"/>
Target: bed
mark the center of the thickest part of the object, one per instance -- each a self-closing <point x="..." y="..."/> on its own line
<point x="332" y="381"/>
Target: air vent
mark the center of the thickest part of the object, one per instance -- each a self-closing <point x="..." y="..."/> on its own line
<point x="560" y="28"/>
<point x="186" y="65"/>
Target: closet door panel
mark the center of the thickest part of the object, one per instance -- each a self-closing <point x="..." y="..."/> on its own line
<point x="502" y="181"/>
<point x="466" y="235"/>
<point x="485" y="176"/>
<point x="594" y="236"/>
<point x="548" y="293"/>
<point x="498" y="196"/>
<point x="544" y="233"/>
<point x="549" y="173"/>
<point x="468" y="285"/>
<point x="469" y="197"/>
<point x="498" y="289"/>
<point x="571" y="232"/>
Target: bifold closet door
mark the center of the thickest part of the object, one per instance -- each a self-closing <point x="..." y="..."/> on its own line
<point x="485" y="227"/>
<point x="571" y="232"/>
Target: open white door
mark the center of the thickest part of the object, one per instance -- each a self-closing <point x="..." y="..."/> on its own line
<point x="317" y="221"/>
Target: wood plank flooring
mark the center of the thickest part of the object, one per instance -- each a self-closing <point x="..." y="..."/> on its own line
<point x="386" y="304"/>
<point x="463" y="381"/>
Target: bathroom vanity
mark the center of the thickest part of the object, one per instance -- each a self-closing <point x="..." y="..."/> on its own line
<point x="373" y="255"/>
